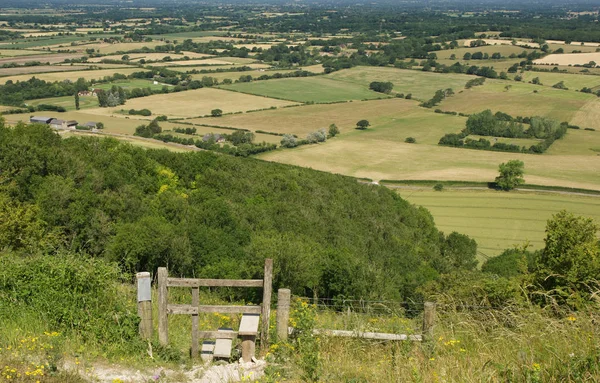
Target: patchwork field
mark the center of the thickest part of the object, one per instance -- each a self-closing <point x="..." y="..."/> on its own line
<point x="38" y="69"/>
<point x="569" y="59"/>
<point x="422" y="85"/>
<point x="371" y="155"/>
<point x="43" y="58"/>
<point x="134" y="57"/>
<point x="520" y="100"/>
<point x="316" y="89"/>
<point x="499" y="220"/>
<point x="67" y="102"/>
<point x="467" y="43"/>
<point x="504" y="50"/>
<point x="133" y="83"/>
<point x="580" y="142"/>
<point x="195" y="103"/>
<point x="69" y="74"/>
<point x="572" y="81"/>
<point x="391" y="119"/>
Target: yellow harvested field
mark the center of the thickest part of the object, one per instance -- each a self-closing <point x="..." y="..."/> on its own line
<point x="573" y="43"/>
<point x="196" y="103"/>
<point x="569" y="59"/>
<point x="302" y="120"/>
<point x="106" y="48"/>
<point x="37" y="69"/>
<point x="43" y="58"/>
<point x="69" y="74"/>
<point x="41" y="34"/>
<point x="314" y="68"/>
<point x="467" y="43"/>
<point x="150" y="56"/>
<point x="203" y="62"/>
<point x="19" y="52"/>
<point x="588" y="115"/>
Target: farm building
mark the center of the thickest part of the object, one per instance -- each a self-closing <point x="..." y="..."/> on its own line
<point x="40" y="120"/>
<point x="90" y="125"/>
<point x="87" y="93"/>
<point x="217" y="137"/>
<point x="62" y="124"/>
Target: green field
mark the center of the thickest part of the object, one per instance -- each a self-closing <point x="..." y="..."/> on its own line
<point x="422" y="85"/>
<point x="315" y="89"/>
<point x="375" y="154"/>
<point x="499" y="220"/>
<point x="571" y="80"/>
<point x="67" y="102"/>
<point x="504" y="50"/>
<point x="519" y="99"/>
<point x="186" y="35"/>
<point x="134" y="83"/>
<point x="391" y="119"/>
<point x="527" y="142"/>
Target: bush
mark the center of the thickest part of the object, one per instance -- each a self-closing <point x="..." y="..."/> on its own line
<point x="216" y="112"/>
<point x="141" y="112"/>
<point x="410" y="140"/>
<point x="289" y="141"/>
<point x="438" y="187"/>
<point x="72" y="293"/>
<point x="362" y="124"/>
<point x="408" y="96"/>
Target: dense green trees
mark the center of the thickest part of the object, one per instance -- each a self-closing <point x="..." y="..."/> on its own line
<point x="206" y="214"/>
<point x="381" y="87"/>
<point x="511" y="175"/>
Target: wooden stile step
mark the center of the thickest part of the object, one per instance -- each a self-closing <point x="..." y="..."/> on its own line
<point x="208" y="347"/>
<point x="249" y="324"/>
<point x="223" y="346"/>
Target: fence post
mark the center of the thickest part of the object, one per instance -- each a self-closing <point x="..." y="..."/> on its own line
<point x="195" y="303"/>
<point x="163" y="324"/>
<point x="144" y="298"/>
<point x="283" y="313"/>
<point x="428" y="320"/>
<point x="266" y="305"/>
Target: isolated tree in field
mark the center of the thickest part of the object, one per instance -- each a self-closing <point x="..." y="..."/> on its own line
<point x="216" y="112"/>
<point x="362" y="124"/>
<point x="382" y="87"/>
<point x="77" y="100"/>
<point x="333" y="130"/>
<point x="511" y="175"/>
<point x="571" y="258"/>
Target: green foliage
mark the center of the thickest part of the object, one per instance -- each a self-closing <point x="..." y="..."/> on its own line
<point x="305" y="343"/>
<point x="149" y="130"/>
<point x="72" y="293"/>
<point x="570" y="262"/>
<point x="362" y="124"/>
<point x="333" y="131"/>
<point x="211" y="215"/>
<point x="511" y="263"/>
<point x="438" y="187"/>
<point x="511" y="175"/>
<point x="459" y="252"/>
<point x="410" y="140"/>
<point x="216" y="112"/>
<point x="381" y="87"/>
<point x="289" y="141"/>
<point x="141" y="112"/>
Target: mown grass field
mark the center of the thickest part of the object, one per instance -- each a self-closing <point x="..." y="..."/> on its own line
<point x="34" y="70"/>
<point x="520" y="99"/>
<point x="499" y="220"/>
<point x="504" y="50"/>
<point x="372" y="154"/>
<point x="571" y="80"/>
<point x="315" y="89"/>
<point x="422" y="85"/>
<point x="67" y="102"/>
<point x="68" y="73"/>
<point x="196" y="103"/>
<point x="391" y="119"/>
<point x="569" y="58"/>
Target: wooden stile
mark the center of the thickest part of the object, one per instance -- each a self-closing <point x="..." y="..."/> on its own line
<point x="283" y="313"/>
<point x="266" y="306"/>
<point x="195" y="303"/>
<point x="163" y="324"/>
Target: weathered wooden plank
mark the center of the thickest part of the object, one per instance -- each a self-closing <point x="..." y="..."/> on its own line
<point x="191" y="310"/>
<point x="266" y="304"/>
<point x="217" y="334"/>
<point x="248" y="347"/>
<point x="223" y="346"/>
<point x="193" y="282"/>
<point x="283" y="313"/>
<point x="195" y="303"/>
<point x="367" y="335"/>
<point x="249" y="324"/>
<point x="163" y="324"/>
<point x="206" y="353"/>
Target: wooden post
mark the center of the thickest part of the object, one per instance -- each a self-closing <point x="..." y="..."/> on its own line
<point x="195" y="303"/>
<point x="266" y="305"/>
<point x="248" y="347"/>
<point x="428" y="320"/>
<point x="144" y="298"/>
<point x="163" y="324"/>
<point x="283" y="313"/>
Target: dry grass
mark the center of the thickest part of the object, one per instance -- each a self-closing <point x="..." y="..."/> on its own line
<point x="569" y="59"/>
<point x="305" y="119"/>
<point x="150" y="56"/>
<point x="195" y="103"/>
<point x="18" y="52"/>
<point x="43" y="58"/>
<point x="106" y="48"/>
<point x="69" y="74"/>
<point x="38" y="69"/>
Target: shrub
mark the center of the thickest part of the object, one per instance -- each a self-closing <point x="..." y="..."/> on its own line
<point x="289" y="141"/>
<point x="438" y="187"/>
<point x="216" y="112"/>
<point x="141" y="112"/>
<point x="362" y="124"/>
<point x="410" y="140"/>
<point x="72" y="293"/>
